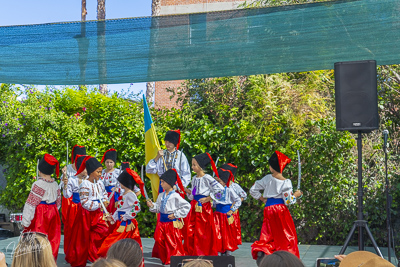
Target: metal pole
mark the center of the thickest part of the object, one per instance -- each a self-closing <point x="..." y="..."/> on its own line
<point x="388" y="203"/>
<point x="360" y="215"/>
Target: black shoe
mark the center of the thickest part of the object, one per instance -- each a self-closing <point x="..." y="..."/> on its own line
<point x="260" y="256"/>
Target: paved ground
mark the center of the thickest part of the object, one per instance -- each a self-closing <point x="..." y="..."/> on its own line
<point x="308" y="253"/>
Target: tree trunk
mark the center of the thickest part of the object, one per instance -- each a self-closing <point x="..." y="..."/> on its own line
<point x="101" y="43"/>
<point x="150" y="86"/>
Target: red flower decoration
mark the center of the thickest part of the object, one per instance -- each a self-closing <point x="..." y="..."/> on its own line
<point x="133" y="214"/>
<point x="122" y="203"/>
<point x="120" y="198"/>
<point x="286" y="194"/>
<point x="136" y="202"/>
<point x="136" y="208"/>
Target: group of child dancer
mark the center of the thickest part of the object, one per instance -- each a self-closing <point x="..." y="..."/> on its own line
<point x="99" y="205"/>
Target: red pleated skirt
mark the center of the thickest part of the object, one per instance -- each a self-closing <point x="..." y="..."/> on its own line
<point x="47" y="221"/>
<point x="238" y="227"/>
<point x="89" y="231"/>
<point x="168" y="242"/>
<point x="115" y="236"/>
<point x="200" y="235"/>
<point x="277" y="233"/>
<point x="226" y="233"/>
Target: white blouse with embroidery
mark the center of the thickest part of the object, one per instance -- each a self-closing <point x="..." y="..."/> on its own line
<point x="239" y="190"/>
<point x="274" y="188"/>
<point x="171" y="203"/>
<point x="42" y="190"/>
<point x="88" y="195"/>
<point x="204" y="186"/>
<point x="180" y="163"/>
<point x="110" y="179"/>
<point x="128" y="203"/>
<point x="228" y="196"/>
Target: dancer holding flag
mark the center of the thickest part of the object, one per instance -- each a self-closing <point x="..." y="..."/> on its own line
<point x="170" y="158"/>
<point x="278" y="231"/>
<point x="40" y="212"/>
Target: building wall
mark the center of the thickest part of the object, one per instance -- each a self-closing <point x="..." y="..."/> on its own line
<point x="168" y="7"/>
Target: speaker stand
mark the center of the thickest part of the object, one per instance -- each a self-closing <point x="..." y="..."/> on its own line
<point x="360" y="223"/>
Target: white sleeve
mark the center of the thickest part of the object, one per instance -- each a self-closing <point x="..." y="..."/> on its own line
<point x="214" y="185"/>
<point x="156" y="207"/>
<point x="258" y="186"/>
<point x="287" y="193"/>
<point x="184" y="168"/>
<point x="190" y="196"/>
<point x="235" y="199"/>
<point x="152" y="166"/>
<point x="68" y="192"/>
<point x="132" y="209"/>
<point x="86" y="202"/>
<point x="34" y="198"/>
<point x="183" y="207"/>
<point x="240" y="192"/>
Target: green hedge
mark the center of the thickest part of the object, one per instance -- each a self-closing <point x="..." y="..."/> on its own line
<point x="34" y="123"/>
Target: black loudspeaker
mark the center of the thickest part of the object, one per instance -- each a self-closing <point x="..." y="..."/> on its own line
<point x="218" y="261"/>
<point x="356" y="96"/>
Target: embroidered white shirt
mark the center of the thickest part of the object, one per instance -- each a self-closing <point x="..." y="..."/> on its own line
<point x="204" y="186"/>
<point x="128" y="203"/>
<point x="171" y="203"/>
<point x="274" y="188"/>
<point x="228" y="196"/>
<point x="42" y="190"/>
<point x="180" y="163"/>
<point x="88" y="195"/>
<point x="239" y="190"/>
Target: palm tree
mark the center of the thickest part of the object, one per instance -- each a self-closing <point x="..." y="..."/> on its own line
<point x="150" y="86"/>
<point x="101" y="43"/>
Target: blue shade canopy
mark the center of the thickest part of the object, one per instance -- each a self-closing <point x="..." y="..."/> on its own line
<point x="227" y="43"/>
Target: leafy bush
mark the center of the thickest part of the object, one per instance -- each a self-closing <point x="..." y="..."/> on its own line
<point x="238" y="119"/>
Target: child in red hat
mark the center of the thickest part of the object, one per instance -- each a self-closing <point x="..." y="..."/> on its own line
<point x="172" y="209"/>
<point x="89" y="228"/>
<point x="41" y="208"/>
<point x="70" y="193"/>
<point x="278" y="231"/>
<point x="226" y="204"/>
<point x="200" y="235"/>
<point x="241" y="193"/>
<point x="128" y="207"/>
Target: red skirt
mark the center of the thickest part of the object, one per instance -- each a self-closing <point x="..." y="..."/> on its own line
<point x="69" y="222"/>
<point x="277" y="233"/>
<point x="226" y="233"/>
<point x="131" y="230"/>
<point x="111" y="208"/>
<point x="89" y="230"/>
<point x="47" y="221"/>
<point x="168" y="242"/>
<point x="200" y="236"/>
<point x="238" y="227"/>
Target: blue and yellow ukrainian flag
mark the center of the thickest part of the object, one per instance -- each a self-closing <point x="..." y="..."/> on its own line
<point x="152" y="146"/>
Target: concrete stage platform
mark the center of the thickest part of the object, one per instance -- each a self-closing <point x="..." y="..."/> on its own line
<point x="308" y="253"/>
